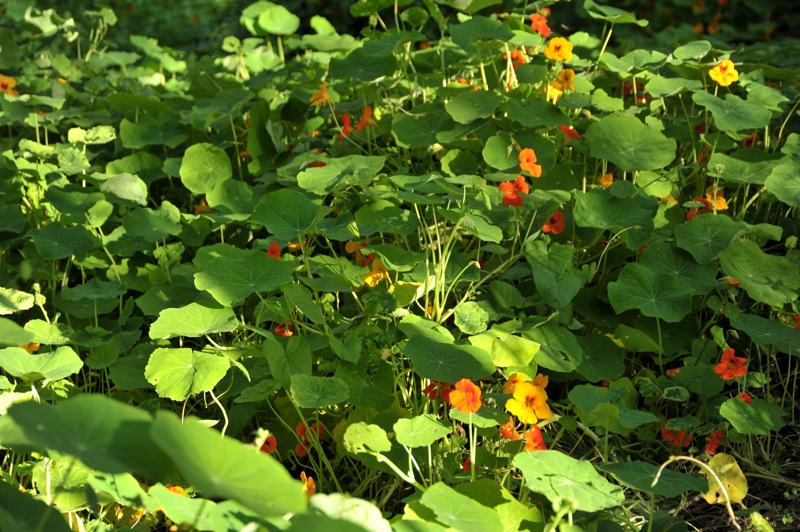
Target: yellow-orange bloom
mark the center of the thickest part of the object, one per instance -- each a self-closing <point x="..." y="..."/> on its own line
<point x="466" y="397"/>
<point x="321" y="97"/>
<point x="553" y="94"/>
<point x="377" y="274"/>
<point x="558" y="49"/>
<point x="527" y="162"/>
<point x="529" y="403"/>
<point x="668" y="199"/>
<point x="565" y="80"/>
<point x="7" y="85"/>
<point x="513" y="381"/>
<point x="309" y="486"/>
<point x="607" y="180"/>
<point x="31" y="348"/>
<point x="716" y="199"/>
<point x="541" y="381"/>
<point x="724" y="73"/>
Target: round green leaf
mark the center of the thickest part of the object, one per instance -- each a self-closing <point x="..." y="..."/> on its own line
<point x="419" y="127"/>
<point x="668" y="260"/>
<point x="471" y="318"/>
<point x="421" y="431"/>
<point x="459" y="511"/>
<point x="126" y="187"/>
<point x="309" y="391"/>
<point x="558" y="476"/>
<point x="601" y="210"/>
<point x="193" y="320"/>
<point x="758" y="417"/>
<point x="286" y="213"/>
<point x="21" y="511"/>
<point x="12" y="300"/>
<point x="629" y="144"/>
<point x="363" y="64"/>
<point x="226" y="468"/>
<point x="506" y="349"/>
<point x="640" y="476"/>
<point x="498" y="152"/>
<point x="179" y="373"/>
<point x="12" y="334"/>
<point x="341" y="172"/>
<point x="471" y="105"/>
<point x="159" y="130"/>
<point x="53" y="366"/>
<point x="784" y="182"/>
<point x="770" y="279"/>
<point x="602" y="358"/>
<point x="447" y="362"/>
<point x="360" y="435"/>
<point x="733" y="113"/>
<point x="204" y="166"/>
<point x="764" y="331"/>
<point x="55" y="241"/>
<point x="278" y="20"/>
<point x="479" y="29"/>
<point x="655" y="295"/>
<point x="707" y="235"/>
<point x="153" y="225"/>
<point x="384" y="217"/>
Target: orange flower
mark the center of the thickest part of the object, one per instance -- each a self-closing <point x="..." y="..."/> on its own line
<point x="724" y="73"/>
<point x="346" y="126"/>
<point x="744" y="396"/>
<point x="509" y="430"/>
<point x="321" y="97"/>
<point x="570" y="133"/>
<point x="607" y="180"/>
<point x="558" y="49"/>
<point x="7" y="85"/>
<point x="529" y="403"/>
<point x="513" y="381"/>
<point x="177" y="490"/>
<point x="675" y="438"/>
<point x="355" y="247"/>
<point x="527" y="162"/>
<point x="466" y="397"/>
<point x="668" y="199"/>
<point x="274" y="250"/>
<point x="541" y="381"/>
<point x="294" y="246"/>
<point x="269" y="445"/>
<point x="300" y="449"/>
<point x="534" y="441"/>
<point x="31" y="347"/>
<point x="555" y="224"/>
<point x="564" y="80"/>
<point x="713" y="441"/>
<point x="539" y="25"/>
<point x="673" y="372"/>
<point x="309" y="486"/>
<point x="511" y="191"/>
<point x="517" y="58"/>
<point x="203" y="207"/>
<point x="731" y="366"/>
<point x="377" y="274"/>
<point x="285" y="330"/>
<point x="697" y="211"/>
<point x="716" y="199"/>
<point x="366" y="120"/>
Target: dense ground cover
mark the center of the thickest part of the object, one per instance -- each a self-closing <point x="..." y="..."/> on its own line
<point x="478" y="265"/>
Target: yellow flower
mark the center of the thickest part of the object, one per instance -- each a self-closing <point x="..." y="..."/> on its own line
<point x="724" y="73"/>
<point x="377" y="274"/>
<point x="541" y="381"/>
<point x="558" y="49"/>
<point x="553" y="94"/>
<point x="564" y="80"/>
<point x="7" y="85"/>
<point x="321" y="97"/>
<point x="668" y="199"/>
<point x="309" y="486"/>
<point x="716" y="199"/>
<point x="513" y="381"/>
<point x="607" y="180"/>
<point x="529" y="403"/>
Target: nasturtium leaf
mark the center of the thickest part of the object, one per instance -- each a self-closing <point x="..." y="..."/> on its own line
<point x="360" y="436"/>
<point x="733" y="113"/>
<point x="300" y="298"/>
<point x="55" y="241"/>
<point x="52" y="366"/>
<point x="126" y="187"/>
<point x="602" y="358"/>
<point x="421" y="431"/>
<point x="629" y="144"/>
<point x="553" y="274"/>
<point x="231" y="197"/>
<point x="95" y="135"/>
<point x="340" y="173"/>
<point x="12" y="334"/>
<point x="286" y="213"/>
<point x="479" y="29"/>
<point x="765" y="331"/>
<point x="499" y="153"/>
<point x="707" y="235"/>
<point x="104" y="434"/>
<point x="655" y="295"/>
<point x="226" y="468"/>
<point x="65" y="481"/>
<point x="472" y="105"/>
<point x="277" y="20"/>
<point x="159" y="130"/>
<point x="12" y="300"/>
<point x="459" y="511"/>
<point x="193" y="320"/>
<point x="204" y="167"/>
<point x="770" y="279"/>
<point x="757" y="417"/>
<point x="558" y="476"/>
<point x="474" y="224"/>
<point x="692" y="51"/>
<point x="534" y="113"/>
<point x="153" y="225"/>
<point x="21" y="511"/>
<point x="364" y="65"/>
<point x="396" y="258"/>
<point x="731" y="476"/>
<point x="445" y="362"/>
<point x="659" y="86"/>
<point x="419" y="127"/>
<point x="94" y="289"/>
<point x="640" y="476"/>
<point x="506" y="349"/>
<point x="384" y="217"/>
<point x="202" y="513"/>
<point x="471" y="318"/>
<point x="231" y="274"/>
<point x="737" y="169"/>
<point x="600" y="210"/>
<point x="558" y="348"/>
<point x="179" y="373"/>
<point x="784" y="182"/>
<point x="309" y="391"/>
<point x="668" y="260"/>
<point x="72" y="200"/>
<point x="485" y="418"/>
<point x="636" y="340"/>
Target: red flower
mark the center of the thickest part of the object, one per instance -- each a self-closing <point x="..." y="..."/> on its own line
<point x="509" y="430"/>
<point x="713" y="441"/>
<point x="511" y="191"/>
<point x="346" y="127"/>
<point x="274" y="250"/>
<point x="731" y="366"/>
<point x="697" y="211"/>
<point x="796" y="321"/>
<point x="570" y="133"/>
<point x="318" y="164"/>
<point x="467" y="465"/>
<point x="300" y="449"/>
<point x="517" y="58"/>
<point x="555" y="224"/>
<point x="539" y="25"/>
<point x="744" y="396"/>
<point x="269" y="445"/>
<point x="366" y="120"/>
<point x="534" y="441"/>
<point x="676" y="438"/>
<point x="442" y="389"/>
<point x="285" y="329"/>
